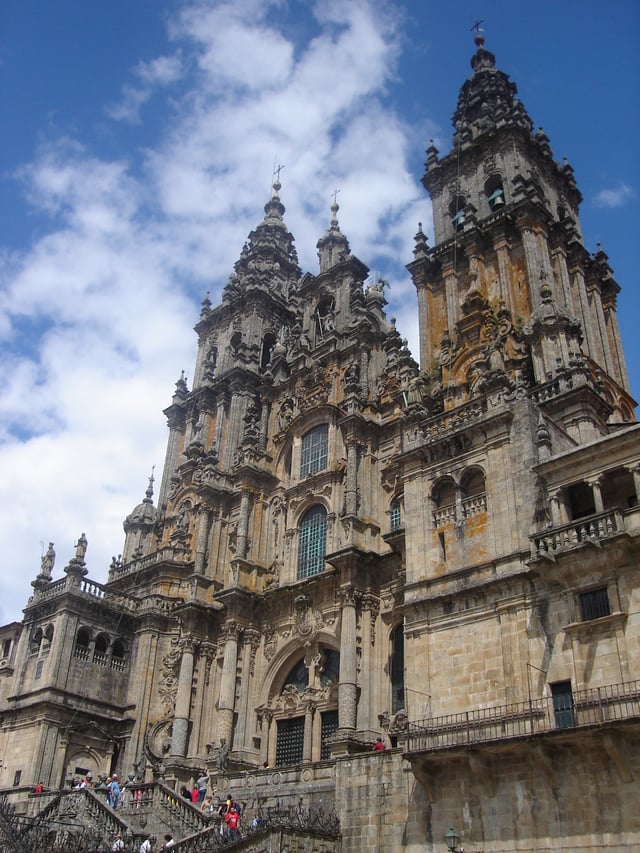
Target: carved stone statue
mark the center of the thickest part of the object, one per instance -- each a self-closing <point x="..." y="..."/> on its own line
<point x="48" y="560"/>
<point x="223" y="756"/>
<point x="81" y="547"/>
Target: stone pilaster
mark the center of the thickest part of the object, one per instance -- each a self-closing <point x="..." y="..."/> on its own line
<point x="180" y="728"/>
<point x="347" y="695"/>
<point x="201" y="541"/>
<point x="226" y="702"/>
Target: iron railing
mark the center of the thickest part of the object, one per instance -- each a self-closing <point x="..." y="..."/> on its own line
<point x="594" y="707"/>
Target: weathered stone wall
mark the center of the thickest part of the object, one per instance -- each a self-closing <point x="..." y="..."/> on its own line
<point x="575" y="794"/>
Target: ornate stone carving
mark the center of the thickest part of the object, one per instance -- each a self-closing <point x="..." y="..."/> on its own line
<point x="307" y="622"/>
<point x="270" y="643"/>
<point x="157" y="739"/>
<point x="372" y="604"/>
<point x="252" y="637"/>
<point x="168" y="685"/>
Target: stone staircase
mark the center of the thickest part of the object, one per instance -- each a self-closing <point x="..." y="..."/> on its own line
<point x="82" y="822"/>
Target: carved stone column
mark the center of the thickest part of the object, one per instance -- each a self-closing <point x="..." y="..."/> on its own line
<point x="555" y="502"/>
<point x="596" y="490"/>
<point x="351" y="485"/>
<point x="347" y="696"/>
<point x="264" y="426"/>
<point x="243" y="525"/>
<point x="201" y="541"/>
<point x="180" y="728"/>
<point x="307" y="745"/>
<point x="364" y="372"/>
<point x="226" y="702"/>
<point x="635" y="471"/>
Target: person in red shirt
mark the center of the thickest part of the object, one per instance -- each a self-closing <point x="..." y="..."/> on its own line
<point x="378" y="745"/>
<point x="195" y="794"/>
<point x="232" y="819"/>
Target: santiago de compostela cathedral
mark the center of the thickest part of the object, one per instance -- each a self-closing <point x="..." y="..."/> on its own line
<point x="346" y="544"/>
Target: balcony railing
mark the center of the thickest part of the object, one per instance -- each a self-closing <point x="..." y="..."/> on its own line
<point x="594" y="707"/>
<point x="593" y="528"/>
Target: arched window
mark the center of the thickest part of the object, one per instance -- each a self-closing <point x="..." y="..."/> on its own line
<point x="494" y="190"/>
<point x="395" y="514"/>
<point x="102" y="643"/>
<point x="36" y="640"/>
<point x="312" y="542"/>
<point x="47" y="639"/>
<point x="83" y="638"/>
<point x="325" y="317"/>
<point x="315" y="448"/>
<point x="118" y="649"/>
<point x="474" y="498"/>
<point x="581" y="502"/>
<point x="397" y="669"/>
<point x="457" y="211"/>
<point x="444" y="493"/>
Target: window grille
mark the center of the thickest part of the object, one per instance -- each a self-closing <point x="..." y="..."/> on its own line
<point x="290" y="741"/>
<point x="563" y="704"/>
<point x="329" y="725"/>
<point x="39" y="667"/>
<point x="594" y="604"/>
<point x="396" y="519"/>
<point x="312" y="542"/>
<point x="315" y="446"/>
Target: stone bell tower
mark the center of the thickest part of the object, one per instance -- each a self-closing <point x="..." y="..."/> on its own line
<point x="509" y="294"/>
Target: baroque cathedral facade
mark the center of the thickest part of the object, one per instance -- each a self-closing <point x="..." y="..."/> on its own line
<point x="346" y="544"/>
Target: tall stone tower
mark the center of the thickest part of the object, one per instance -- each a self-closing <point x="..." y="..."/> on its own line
<point x="349" y="546"/>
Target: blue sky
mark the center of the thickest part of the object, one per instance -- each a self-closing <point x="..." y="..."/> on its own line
<point x="138" y="145"/>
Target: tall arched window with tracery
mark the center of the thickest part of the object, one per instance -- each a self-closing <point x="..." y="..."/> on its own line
<point x="312" y="542"/>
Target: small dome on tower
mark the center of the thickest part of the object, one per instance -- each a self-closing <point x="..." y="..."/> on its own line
<point x="145" y="513"/>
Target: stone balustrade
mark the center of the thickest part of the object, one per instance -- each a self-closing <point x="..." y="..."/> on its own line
<point x="591" y="529"/>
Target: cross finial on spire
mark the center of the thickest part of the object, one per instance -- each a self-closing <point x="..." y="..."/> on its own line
<point x="149" y="491"/>
<point x="479" y="37"/>
<point x="276" y="180"/>
<point x="335" y="208"/>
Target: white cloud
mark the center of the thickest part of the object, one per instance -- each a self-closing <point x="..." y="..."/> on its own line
<point x="152" y="75"/>
<point x="615" y="196"/>
<point x="97" y="315"/>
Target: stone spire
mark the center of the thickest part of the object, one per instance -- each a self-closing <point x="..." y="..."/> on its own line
<point x="334" y="246"/>
<point x="268" y="260"/>
<point x="487" y="99"/>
